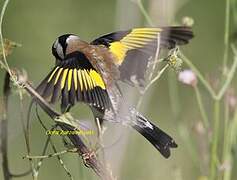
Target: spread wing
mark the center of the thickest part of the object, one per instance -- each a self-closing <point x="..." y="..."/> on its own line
<point x="132" y="49"/>
<point x="75" y="80"/>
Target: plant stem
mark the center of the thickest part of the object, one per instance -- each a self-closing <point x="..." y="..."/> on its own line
<point x="151" y="83"/>
<point x="214" y="155"/>
<point x="226" y="36"/>
<point x="226" y="143"/>
<point x="144" y="12"/>
<point x="200" y="76"/>
<point x="4" y="64"/>
<point x="229" y="77"/>
<point x="201" y="107"/>
<point x="231" y="140"/>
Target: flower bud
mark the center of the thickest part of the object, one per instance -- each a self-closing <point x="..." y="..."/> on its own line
<point x="188" y="77"/>
<point x="187" y="21"/>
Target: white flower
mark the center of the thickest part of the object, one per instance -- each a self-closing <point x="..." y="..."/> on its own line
<point x="188" y="77"/>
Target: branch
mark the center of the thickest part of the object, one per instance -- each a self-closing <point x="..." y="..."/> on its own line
<point x="90" y="159"/>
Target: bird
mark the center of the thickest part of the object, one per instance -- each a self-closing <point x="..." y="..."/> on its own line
<point x="89" y="72"/>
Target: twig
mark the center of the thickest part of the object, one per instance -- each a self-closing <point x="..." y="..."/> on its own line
<point x="49" y="140"/>
<point x="222" y="91"/>
<point x="27" y="141"/>
<point x="156" y="58"/>
<point x="214" y="156"/>
<point x="4" y="63"/>
<point x="151" y="83"/>
<point x="200" y="76"/>
<point x="231" y="141"/>
<point x="144" y="12"/>
<point x="201" y="107"/>
<point x="52" y="155"/>
<point x="91" y="161"/>
<point x="226" y="36"/>
<point x="229" y="77"/>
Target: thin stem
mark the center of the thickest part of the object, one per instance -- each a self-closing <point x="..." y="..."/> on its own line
<point x="27" y="141"/>
<point x="51" y="155"/>
<point x="49" y="140"/>
<point x="226" y="36"/>
<point x="214" y="156"/>
<point x="144" y="12"/>
<point x="231" y="141"/>
<point x="228" y="80"/>
<point x="201" y="107"/>
<point x="4" y="64"/>
<point x="25" y="130"/>
<point x="156" y="59"/>
<point x="43" y="153"/>
<point x="226" y="140"/>
<point x="229" y="77"/>
<point x="151" y="83"/>
<point x="200" y="76"/>
<point x="157" y="77"/>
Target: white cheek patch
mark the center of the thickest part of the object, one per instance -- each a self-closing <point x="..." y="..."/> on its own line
<point x="59" y="49"/>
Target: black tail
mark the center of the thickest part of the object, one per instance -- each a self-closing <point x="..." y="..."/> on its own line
<point x="176" y="35"/>
<point x="158" y="138"/>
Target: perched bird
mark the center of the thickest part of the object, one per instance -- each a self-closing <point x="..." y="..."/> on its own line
<point x="89" y="73"/>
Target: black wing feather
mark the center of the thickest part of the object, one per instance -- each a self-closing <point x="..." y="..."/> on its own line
<point x="51" y="87"/>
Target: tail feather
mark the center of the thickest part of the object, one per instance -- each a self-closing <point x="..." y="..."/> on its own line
<point x="158" y="138"/>
<point x="176" y="35"/>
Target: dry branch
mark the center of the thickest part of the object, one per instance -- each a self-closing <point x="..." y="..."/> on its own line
<point x="89" y="157"/>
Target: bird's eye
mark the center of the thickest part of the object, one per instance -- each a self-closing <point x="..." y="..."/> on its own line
<point x="57" y="50"/>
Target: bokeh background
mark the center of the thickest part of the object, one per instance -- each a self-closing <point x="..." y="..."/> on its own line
<point x="36" y="24"/>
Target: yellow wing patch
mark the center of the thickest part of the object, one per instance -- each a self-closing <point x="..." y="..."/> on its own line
<point x="64" y="78"/>
<point x="90" y="79"/>
<point x="137" y="38"/>
<point x="69" y="78"/>
<point x="58" y="75"/>
<point x="51" y="76"/>
<point x="75" y="78"/>
<point x="118" y="49"/>
<point x="81" y="78"/>
<point x="96" y="79"/>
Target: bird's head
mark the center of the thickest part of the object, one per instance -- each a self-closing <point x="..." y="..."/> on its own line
<point x="64" y="45"/>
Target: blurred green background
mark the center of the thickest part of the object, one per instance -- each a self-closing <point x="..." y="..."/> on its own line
<point x="36" y="24"/>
